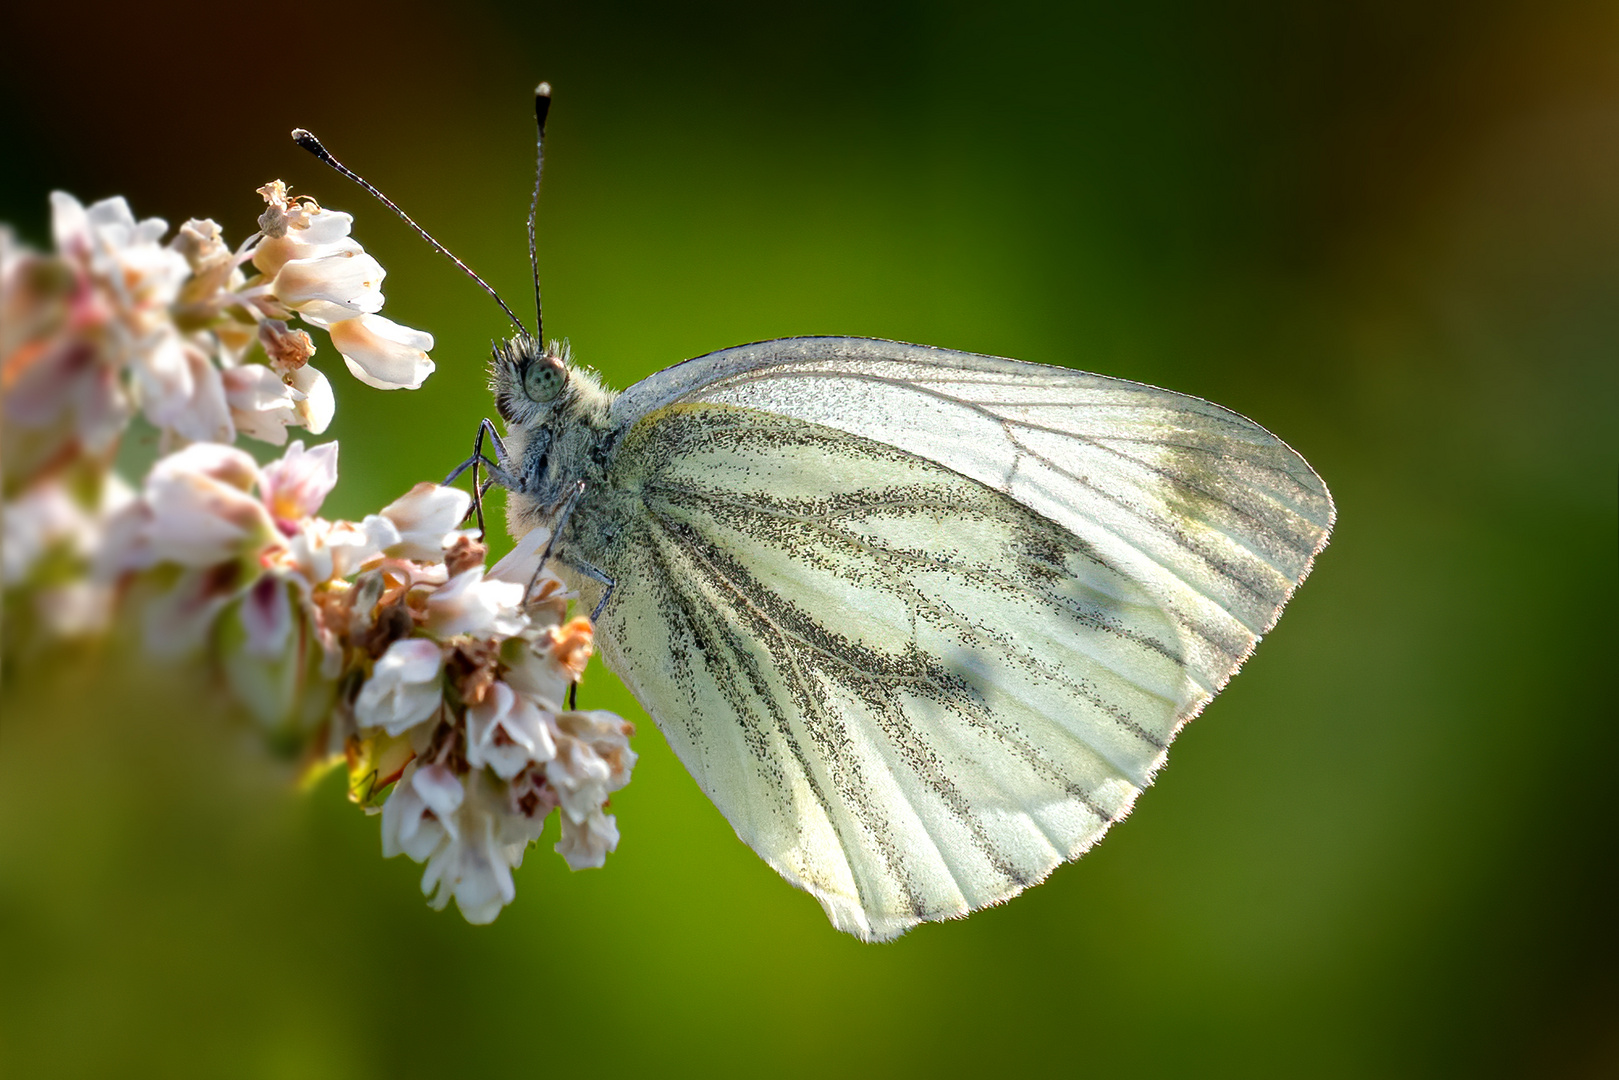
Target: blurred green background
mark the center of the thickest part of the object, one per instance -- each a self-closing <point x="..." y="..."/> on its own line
<point x="1388" y="231"/>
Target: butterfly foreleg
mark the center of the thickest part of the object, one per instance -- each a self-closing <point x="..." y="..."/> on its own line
<point x="556" y="531"/>
<point x="498" y="471"/>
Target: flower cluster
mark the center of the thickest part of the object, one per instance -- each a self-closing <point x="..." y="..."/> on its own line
<point x="384" y="644"/>
<point x="192" y="335"/>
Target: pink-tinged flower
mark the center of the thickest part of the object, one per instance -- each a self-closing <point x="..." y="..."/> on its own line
<point x="381" y="353"/>
<point x="295" y="486"/>
<point x="266" y="617"/>
<point x="179" y="619"/>
<point x="404" y="688"/>
<point x="419" y="815"/>
<point x="467" y="604"/>
<point x="426" y="517"/>
<point x="506" y="732"/>
<point x="261" y="649"/>
<point x="586" y="844"/>
<point x="123" y="253"/>
<point x="202" y="511"/>
<point x="341" y="285"/>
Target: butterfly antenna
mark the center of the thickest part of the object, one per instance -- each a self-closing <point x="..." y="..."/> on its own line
<point x="542" y="106"/>
<point x="313" y="145"/>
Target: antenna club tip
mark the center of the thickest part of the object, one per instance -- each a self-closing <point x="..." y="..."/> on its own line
<point x="307" y="140"/>
<point x="543" y="90"/>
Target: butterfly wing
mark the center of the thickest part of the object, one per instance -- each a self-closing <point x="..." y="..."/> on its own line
<point x="923" y="623"/>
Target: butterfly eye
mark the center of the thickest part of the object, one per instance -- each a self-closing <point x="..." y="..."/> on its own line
<point x="544" y="379"/>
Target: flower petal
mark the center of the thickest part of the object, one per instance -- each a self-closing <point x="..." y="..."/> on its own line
<point x="294" y="486"/>
<point x="381" y="353"/>
<point x="426" y="517"/>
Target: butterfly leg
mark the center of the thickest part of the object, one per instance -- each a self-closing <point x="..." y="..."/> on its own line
<point x="595" y="575"/>
<point x="556" y="531"/>
<point x="497" y="469"/>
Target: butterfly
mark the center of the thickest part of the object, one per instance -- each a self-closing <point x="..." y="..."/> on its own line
<point x="921" y="623"/>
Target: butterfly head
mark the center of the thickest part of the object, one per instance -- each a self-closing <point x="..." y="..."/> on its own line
<point x="533" y="383"/>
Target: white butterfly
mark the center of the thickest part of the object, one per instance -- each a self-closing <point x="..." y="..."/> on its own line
<point x="922" y="623"/>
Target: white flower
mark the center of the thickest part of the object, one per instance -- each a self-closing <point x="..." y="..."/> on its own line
<point x="303" y="233"/>
<point x="536" y="673"/>
<point x="585" y="844"/>
<point x="593" y="760"/>
<point x="180" y="388"/>
<point x="486" y="843"/>
<point x="200" y="509"/>
<point x="123" y="253"/>
<point x="426" y="518"/>
<point x="524" y="557"/>
<point x="381" y="353"/>
<point x="419" y="815"/>
<point x="467" y="604"/>
<point x="403" y="689"/>
<point x="260" y="649"/>
<point x="44" y="516"/>
<point x="506" y="731"/>
<point x="324" y="550"/>
<point x="261" y="404"/>
<point x="341" y="285"/>
<point x="294" y="486"/>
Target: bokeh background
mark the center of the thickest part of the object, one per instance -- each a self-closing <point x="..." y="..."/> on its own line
<point x="1388" y="231"/>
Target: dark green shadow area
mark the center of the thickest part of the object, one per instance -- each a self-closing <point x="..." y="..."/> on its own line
<point x="1388" y="232"/>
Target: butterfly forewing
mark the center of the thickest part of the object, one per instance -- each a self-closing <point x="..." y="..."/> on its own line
<point x="922" y="623"/>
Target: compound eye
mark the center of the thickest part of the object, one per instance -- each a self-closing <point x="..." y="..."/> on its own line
<point x="544" y="379"/>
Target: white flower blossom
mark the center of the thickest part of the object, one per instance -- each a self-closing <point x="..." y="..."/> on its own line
<point x="315" y="404"/>
<point x="426" y="518"/>
<point x="467" y="604"/>
<point x="475" y="863"/>
<point x="381" y="353"/>
<point x="507" y="732"/>
<point x="586" y="844"/>
<point x="345" y="284"/>
<point x="382" y="642"/>
<point x="593" y="760"/>
<point x="404" y="687"/>
<point x="419" y="815"/>
<point x="262" y="404"/>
